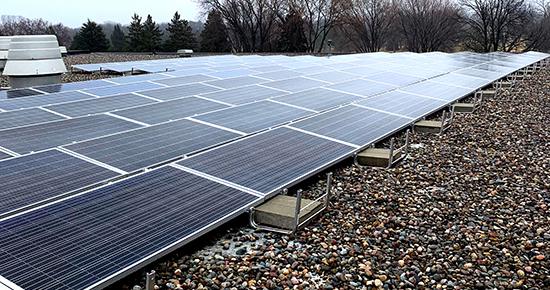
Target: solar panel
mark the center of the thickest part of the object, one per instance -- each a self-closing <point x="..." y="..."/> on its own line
<point x="401" y="103"/>
<point x="269" y="161"/>
<point x="353" y="125"/>
<point x="145" y="147"/>
<point x="138" y="78"/>
<point x="481" y="73"/>
<point x="295" y="84"/>
<point x="279" y="75"/>
<point x="179" y="91"/>
<point x="317" y="99"/>
<point x="18" y="93"/>
<point x="236" y="82"/>
<point x="462" y="80"/>
<point x="188" y="72"/>
<point x="244" y="95"/>
<point x="74" y="86"/>
<point x="25" y="117"/>
<point x="122" y="89"/>
<point x="363" y="71"/>
<point x="43" y="100"/>
<point x="99" y="105"/>
<point x="334" y="76"/>
<point x="232" y="73"/>
<point x="362" y="87"/>
<point x="170" y="110"/>
<point x="394" y="78"/>
<point x="36" y="178"/>
<point x="268" y="68"/>
<point x="185" y="80"/>
<point x="313" y="69"/>
<point x="48" y="135"/>
<point x="437" y="90"/>
<point x="4" y="155"/>
<point x="83" y="241"/>
<point x="254" y="117"/>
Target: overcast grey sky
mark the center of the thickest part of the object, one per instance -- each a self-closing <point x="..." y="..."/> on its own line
<point x="74" y="12"/>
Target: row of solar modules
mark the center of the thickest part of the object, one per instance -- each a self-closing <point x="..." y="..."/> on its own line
<point x="102" y="231"/>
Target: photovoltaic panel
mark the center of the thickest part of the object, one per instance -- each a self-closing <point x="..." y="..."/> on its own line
<point x="99" y="105"/>
<point x="437" y="90"/>
<point x="232" y="73"/>
<point x="179" y="91"/>
<point x="279" y="75"/>
<point x="4" y="155"/>
<point x="188" y="72"/>
<point x="26" y="117"/>
<point x="48" y="135"/>
<point x="18" y="93"/>
<point x="138" y="78"/>
<point x="254" y="117"/>
<point x="123" y="89"/>
<point x="269" y="161"/>
<point x="394" y="78"/>
<point x="317" y="99"/>
<point x="185" y="80"/>
<point x="85" y="240"/>
<point x="295" y="84"/>
<point x="268" y="68"/>
<point x="236" y="82"/>
<point x="313" y="69"/>
<point x="362" y="87"/>
<point x="355" y="125"/>
<point x="43" y="100"/>
<point x="334" y="76"/>
<point x="244" y="95"/>
<point x="36" y="178"/>
<point x="74" y="86"/>
<point x="481" y="73"/>
<point x="462" y="80"/>
<point x="363" y="71"/>
<point x="401" y="103"/>
<point x="170" y="110"/>
<point x="145" y="147"/>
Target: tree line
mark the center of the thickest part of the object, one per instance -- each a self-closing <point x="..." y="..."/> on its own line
<point x="307" y="25"/>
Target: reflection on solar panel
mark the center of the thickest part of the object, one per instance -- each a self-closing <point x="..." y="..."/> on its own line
<point x="74" y="86"/>
<point x="42" y="100"/>
<point x="351" y="124"/>
<point x="138" y="78"/>
<point x="236" y="82"/>
<point x="481" y="73"/>
<point x="334" y="76"/>
<point x="462" y="80"/>
<point x="48" y="135"/>
<point x="122" y="89"/>
<point x="438" y="90"/>
<point x="38" y="177"/>
<point x="145" y="147"/>
<point x="4" y="155"/>
<point x="184" y="80"/>
<point x="269" y="161"/>
<point x="401" y="103"/>
<point x="89" y="238"/>
<point x="170" y="110"/>
<point x="99" y="105"/>
<point x="18" y="93"/>
<point x="317" y="99"/>
<point x="393" y="78"/>
<point x="232" y="73"/>
<point x="254" y="117"/>
<point x="179" y="91"/>
<point x="25" y="117"/>
<point x="362" y="87"/>
<point x="279" y="75"/>
<point x="295" y="84"/>
<point x="244" y="95"/>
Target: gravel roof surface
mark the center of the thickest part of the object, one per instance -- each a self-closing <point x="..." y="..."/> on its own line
<point x="466" y="210"/>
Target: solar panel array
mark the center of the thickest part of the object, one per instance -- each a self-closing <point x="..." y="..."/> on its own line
<point x="218" y="135"/>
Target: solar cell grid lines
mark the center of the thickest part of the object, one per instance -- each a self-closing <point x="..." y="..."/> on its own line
<point x="362" y="87"/>
<point x="74" y="86"/>
<point x="402" y="103"/>
<point x="279" y="75"/>
<point x="38" y="177"/>
<point x="145" y="147"/>
<point x="4" y="155"/>
<point x="295" y="84"/>
<point x="243" y="95"/>
<point x="236" y="82"/>
<point x="175" y="81"/>
<point x="437" y="90"/>
<point x="254" y="117"/>
<point x="25" y="117"/>
<point x="318" y="99"/>
<point x="17" y="93"/>
<point x="176" y="92"/>
<point x="48" y="135"/>
<point x="267" y="161"/>
<point x="43" y="100"/>
<point x="334" y="76"/>
<point x="169" y="110"/>
<point x="351" y="124"/>
<point x="394" y="78"/>
<point x="122" y="89"/>
<point x="105" y="228"/>
<point x="462" y="80"/>
<point x="99" y="105"/>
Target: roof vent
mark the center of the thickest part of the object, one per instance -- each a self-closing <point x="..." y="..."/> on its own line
<point x="4" y="46"/>
<point x="34" y="60"/>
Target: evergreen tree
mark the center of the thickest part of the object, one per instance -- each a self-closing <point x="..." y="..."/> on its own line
<point x="293" y="37"/>
<point x="90" y="37"/>
<point x="135" y="34"/>
<point x="151" y="35"/>
<point x="118" y="39"/>
<point x="214" y="37"/>
<point x="181" y="35"/>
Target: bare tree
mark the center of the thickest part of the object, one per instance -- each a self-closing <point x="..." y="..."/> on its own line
<point x="429" y="25"/>
<point x="320" y="17"/>
<point x="16" y="25"/>
<point x="366" y="23"/>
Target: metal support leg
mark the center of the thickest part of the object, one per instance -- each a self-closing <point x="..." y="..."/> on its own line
<point x="329" y="189"/>
<point x="297" y="210"/>
<point x="390" y="159"/>
<point x="150" y="282"/>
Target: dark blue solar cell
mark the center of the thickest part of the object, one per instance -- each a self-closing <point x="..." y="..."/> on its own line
<point x="31" y="179"/>
<point x="74" y="86"/>
<point x="362" y="87"/>
<point x="25" y="117"/>
<point x="43" y="100"/>
<point x="4" y="155"/>
<point x="185" y="80"/>
<point x="244" y="95"/>
<point x="48" y="135"/>
<point x="438" y="90"/>
<point x="18" y="93"/>
<point x="100" y="105"/>
<point x="123" y="89"/>
<point x="145" y="147"/>
<point x="179" y="91"/>
<point x="92" y="237"/>
<point x="317" y="99"/>
<point x="269" y="161"/>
